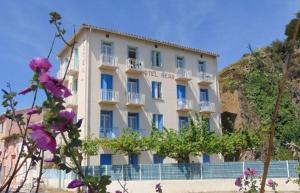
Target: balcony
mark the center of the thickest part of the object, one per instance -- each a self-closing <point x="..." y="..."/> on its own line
<point x="140" y="131"/>
<point x="71" y="101"/>
<point x="135" y="99"/>
<point x="108" y="62"/>
<point x="205" y="78"/>
<point x="184" y="105"/>
<point x="134" y="66"/>
<point x="206" y="107"/>
<point x="73" y="70"/>
<point x="183" y="74"/>
<point x="109" y="97"/>
<point x="109" y="133"/>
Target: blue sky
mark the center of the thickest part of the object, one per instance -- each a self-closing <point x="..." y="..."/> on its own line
<point x="226" y="27"/>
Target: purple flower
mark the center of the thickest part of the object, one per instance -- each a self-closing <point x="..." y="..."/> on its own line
<point x="43" y="139"/>
<point x="158" y="188"/>
<point x="32" y="111"/>
<point x="118" y="191"/>
<point x="54" y="85"/>
<point x="25" y="90"/>
<point x="40" y="64"/>
<point x="271" y="183"/>
<point x="238" y="181"/>
<point x="75" y="184"/>
<point x="67" y="116"/>
<point x="250" y="172"/>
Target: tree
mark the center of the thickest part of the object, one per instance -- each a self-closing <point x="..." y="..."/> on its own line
<point x="193" y="139"/>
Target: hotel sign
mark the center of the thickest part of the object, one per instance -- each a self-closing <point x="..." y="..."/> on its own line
<point x="153" y="73"/>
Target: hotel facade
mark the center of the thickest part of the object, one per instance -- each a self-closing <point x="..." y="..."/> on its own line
<point x="121" y="80"/>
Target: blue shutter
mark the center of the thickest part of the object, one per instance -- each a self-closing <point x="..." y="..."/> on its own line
<point x="106" y="81"/>
<point x="105" y="159"/>
<point x="153" y="58"/>
<point x="154" y="120"/>
<point x="206" y="158"/>
<point x="137" y="85"/>
<point x="133" y="159"/>
<point x="160" y="122"/>
<point x="153" y="89"/>
<point x="180" y="92"/>
<point x="159" y="58"/>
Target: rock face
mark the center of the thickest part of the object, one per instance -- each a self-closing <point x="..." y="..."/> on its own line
<point x="246" y="102"/>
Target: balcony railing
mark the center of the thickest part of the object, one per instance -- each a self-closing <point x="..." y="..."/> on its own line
<point x="140" y="131"/>
<point x="184" y="105"/>
<point x="205" y="78"/>
<point x="134" y="66"/>
<point x="109" y="133"/>
<point x="108" y="62"/>
<point x="206" y="107"/>
<point x="109" y="96"/>
<point x="183" y="74"/>
<point x="135" y="99"/>
<point x="71" y="101"/>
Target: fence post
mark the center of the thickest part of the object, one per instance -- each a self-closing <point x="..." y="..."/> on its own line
<point x="106" y="172"/>
<point x="287" y="168"/>
<point x="140" y="170"/>
<point x="159" y="170"/>
<point x="93" y="170"/>
<point x="122" y="172"/>
<point x="201" y="171"/>
<point x="243" y="167"/>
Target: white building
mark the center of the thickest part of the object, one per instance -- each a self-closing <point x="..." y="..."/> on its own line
<point x="121" y="80"/>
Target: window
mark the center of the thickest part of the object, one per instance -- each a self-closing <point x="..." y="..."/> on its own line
<point x="181" y="92"/>
<point x="106" y="122"/>
<point x="156" y="58"/>
<point x="183" y="121"/>
<point x="158" y="159"/>
<point x="105" y="159"/>
<point x="133" y="159"/>
<point x="133" y="121"/>
<point x="106" y="52"/>
<point x="206" y="158"/>
<point x="133" y="85"/>
<point x="202" y="66"/>
<point x="204" y="95"/>
<point x="132" y="53"/>
<point x="156" y="90"/>
<point x="157" y="121"/>
<point x="75" y="86"/>
<point x="180" y="63"/>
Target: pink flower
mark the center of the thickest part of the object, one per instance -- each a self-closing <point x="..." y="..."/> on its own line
<point x="25" y="90"/>
<point x="250" y="172"/>
<point x="271" y="183"/>
<point x="54" y="85"/>
<point x="67" y="116"/>
<point x="238" y="181"/>
<point x="75" y="184"/>
<point x="43" y="139"/>
<point x="40" y="64"/>
<point x="32" y="111"/>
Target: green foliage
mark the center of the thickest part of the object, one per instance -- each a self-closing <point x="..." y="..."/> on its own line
<point x="290" y="28"/>
<point x="99" y="184"/>
<point x="193" y="139"/>
<point x="260" y="88"/>
<point x="90" y="146"/>
<point x="129" y="142"/>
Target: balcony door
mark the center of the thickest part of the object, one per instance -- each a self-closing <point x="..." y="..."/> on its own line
<point x="133" y="121"/>
<point x="181" y="92"/>
<point x="204" y="95"/>
<point x="106" y="51"/>
<point x="106" y="122"/>
<point x="183" y="121"/>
